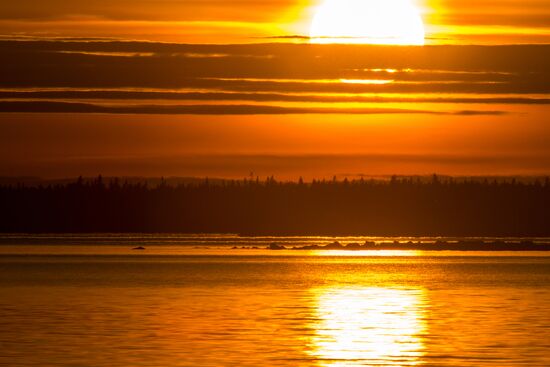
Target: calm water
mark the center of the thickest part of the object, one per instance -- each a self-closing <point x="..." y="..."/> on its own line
<point x="76" y="304"/>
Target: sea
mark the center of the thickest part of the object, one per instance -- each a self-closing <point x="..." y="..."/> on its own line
<point x="225" y="300"/>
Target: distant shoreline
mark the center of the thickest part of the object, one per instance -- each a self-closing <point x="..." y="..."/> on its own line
<point x="229" y="241"/>
<point x="439" y="207"/>
<point x="422" y="246"/>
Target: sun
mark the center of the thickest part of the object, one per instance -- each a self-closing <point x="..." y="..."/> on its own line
<point x="384" y="22"/>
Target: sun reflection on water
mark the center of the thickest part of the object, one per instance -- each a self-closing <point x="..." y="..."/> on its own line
<point x="369" y="327"/>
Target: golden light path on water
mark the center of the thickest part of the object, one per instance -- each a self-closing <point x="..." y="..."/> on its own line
<point x="372" y="326"/>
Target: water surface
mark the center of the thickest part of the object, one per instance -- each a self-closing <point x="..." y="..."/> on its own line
<point x="173" y="305"/>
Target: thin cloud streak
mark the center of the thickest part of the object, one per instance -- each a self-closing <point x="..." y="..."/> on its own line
<point x="275" y="68"/>
<point x="256" y="97"/>
<point x="230" y="77"/>
<point x="69" y="107"/>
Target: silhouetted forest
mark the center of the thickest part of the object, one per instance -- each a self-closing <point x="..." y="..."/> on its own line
<point x="396" y="207"/>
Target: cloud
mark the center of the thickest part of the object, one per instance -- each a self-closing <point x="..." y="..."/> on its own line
<point x="136" y="95"/>
<point x="274" y="67"/>
<point x="71" y="107"/>
<point x="145" y="73"/>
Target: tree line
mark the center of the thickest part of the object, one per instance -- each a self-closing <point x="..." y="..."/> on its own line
<point x="396" y="207"/>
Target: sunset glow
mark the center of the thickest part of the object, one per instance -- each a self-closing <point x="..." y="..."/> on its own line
<point x="274" y="183"/>
<point x="391" y="22"/>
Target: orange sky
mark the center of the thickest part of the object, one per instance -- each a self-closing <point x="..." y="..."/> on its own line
<point x="228" y="88"/>
<point x="215" y="21"/>
<point x="288" y="146"/>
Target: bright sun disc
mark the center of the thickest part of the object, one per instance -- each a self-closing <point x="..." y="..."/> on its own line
<point x="384" y="22"/>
